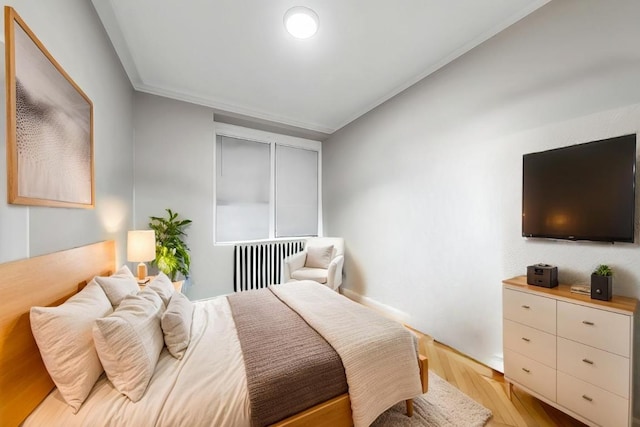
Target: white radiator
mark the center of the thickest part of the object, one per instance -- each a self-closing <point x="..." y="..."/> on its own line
<point x="258" y="265"/>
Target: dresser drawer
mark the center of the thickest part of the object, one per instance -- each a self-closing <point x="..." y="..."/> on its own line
<point x="598" y="328"/>
<point x="594" y="403"/>
<point x="533" y="343"/>
<point x="603" y="369"/>
<point x="531" y="310"/>
<point x="531" y="374"/>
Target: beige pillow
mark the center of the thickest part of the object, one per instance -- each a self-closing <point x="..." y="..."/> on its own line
<point x="129" y="342"/>
<point x="318" y="256"/>
<point x="118" y="285"/>
<point x="163" y="287"/>
<point x="176" y="324"/>
<point x="64" y="337"/>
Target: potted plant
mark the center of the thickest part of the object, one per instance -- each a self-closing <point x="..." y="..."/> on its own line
<point x="172" y="253"/>
<point x="602" y="283"/>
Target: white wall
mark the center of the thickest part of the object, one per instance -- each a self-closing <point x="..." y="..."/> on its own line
<point x="73" y="34"/>
<point x="174" y="151"/>
<point x="426" y="189"/>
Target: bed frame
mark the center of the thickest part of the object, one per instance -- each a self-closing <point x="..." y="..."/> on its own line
<point x="51" y="279"/>
<point x="46" y="280"/>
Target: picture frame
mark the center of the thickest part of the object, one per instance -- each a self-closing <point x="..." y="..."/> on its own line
<point x="50" y="153"/>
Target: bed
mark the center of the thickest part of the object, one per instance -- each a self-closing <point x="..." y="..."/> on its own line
<point x="24" y="381"/>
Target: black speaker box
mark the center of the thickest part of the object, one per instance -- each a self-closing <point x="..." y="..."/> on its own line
<point x="544" y="275"/>
<point x="601" y="287"/>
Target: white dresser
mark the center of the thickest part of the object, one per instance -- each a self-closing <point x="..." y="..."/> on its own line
<point x="571" y="351"/>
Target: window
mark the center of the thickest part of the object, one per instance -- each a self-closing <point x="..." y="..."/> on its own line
<point x="296" y="192"/>
<point x="267" y="185"/>
<point x="242" y="189"/>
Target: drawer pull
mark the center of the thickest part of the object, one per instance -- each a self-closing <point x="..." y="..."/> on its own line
<point x="526" y="370"/>
<point x="587" y="398"/>
<point x="526" y="307"/>
<point x="526" y="339"/>
<point x="586" y="322"/>
<point x="590" y="362"/>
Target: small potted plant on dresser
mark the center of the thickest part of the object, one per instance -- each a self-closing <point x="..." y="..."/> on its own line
<point x="602" y="283"/>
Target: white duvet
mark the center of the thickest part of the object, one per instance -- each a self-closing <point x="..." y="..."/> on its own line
<point x="207" y="387"/>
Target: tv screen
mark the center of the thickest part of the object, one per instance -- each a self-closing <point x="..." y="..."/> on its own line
<point x="581" y="192"/>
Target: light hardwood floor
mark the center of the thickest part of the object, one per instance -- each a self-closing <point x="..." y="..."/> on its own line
<point x="488" y="387"/>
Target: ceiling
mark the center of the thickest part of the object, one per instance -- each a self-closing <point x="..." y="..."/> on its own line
<point x="236" y="57"/>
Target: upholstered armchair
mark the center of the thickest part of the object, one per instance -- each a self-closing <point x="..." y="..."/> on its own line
<point x="321" y="260"/>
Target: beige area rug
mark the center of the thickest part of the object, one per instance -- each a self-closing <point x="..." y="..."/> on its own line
<point x="442" y="406"/>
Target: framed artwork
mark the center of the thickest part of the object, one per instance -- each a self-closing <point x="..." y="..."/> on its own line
<point x="49" y="125"/>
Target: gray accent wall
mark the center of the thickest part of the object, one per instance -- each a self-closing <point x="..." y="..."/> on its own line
<point x="426" y="188"/>
<point x="174" y="168"/>
<point x="73" y="34"/>
<point x="174" y="154"/>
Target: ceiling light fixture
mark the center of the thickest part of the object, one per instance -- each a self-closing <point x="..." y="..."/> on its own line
<point x="301" y="22"/>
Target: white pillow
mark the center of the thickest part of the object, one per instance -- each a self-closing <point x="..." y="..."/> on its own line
<point x="118" y="285"/>
<point x="163" y="287"/>
<point x="176" y="324"/>
<point x="318" y="256"/>
<point x="64" y="337"/>
<point x="129" y="342"/>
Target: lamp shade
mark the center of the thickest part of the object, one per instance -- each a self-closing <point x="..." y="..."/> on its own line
<point x="141" y="245"/>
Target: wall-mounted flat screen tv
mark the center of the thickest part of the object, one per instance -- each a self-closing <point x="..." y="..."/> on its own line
<point x="581" y="192"/>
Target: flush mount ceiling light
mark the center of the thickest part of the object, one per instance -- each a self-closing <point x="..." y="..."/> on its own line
<point x="301" y="22"/>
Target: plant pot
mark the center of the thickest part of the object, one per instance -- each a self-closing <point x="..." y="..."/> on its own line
<point x="601" y="287"/>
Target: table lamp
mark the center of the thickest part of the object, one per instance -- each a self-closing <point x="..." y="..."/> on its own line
<point x="141" y="247"/>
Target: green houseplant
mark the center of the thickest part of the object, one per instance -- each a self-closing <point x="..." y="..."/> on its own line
<point x="172" y="253"/>
<point x="602" y="283"/>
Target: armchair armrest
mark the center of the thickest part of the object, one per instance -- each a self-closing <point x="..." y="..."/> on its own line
<point x="292" y="263"/>
<point x="334" y="276"/>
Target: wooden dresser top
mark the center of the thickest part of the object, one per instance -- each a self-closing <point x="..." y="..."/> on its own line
<point x="620" y="304"/>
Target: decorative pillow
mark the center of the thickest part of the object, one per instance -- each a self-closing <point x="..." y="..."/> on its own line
<point x="176" y="324"/>
<point x="65" y="340"/>
<point x="318" y="256"/>
<point x="129" y="342"/>
<point x="163" y="287"/>
<point x="118" y="285"/>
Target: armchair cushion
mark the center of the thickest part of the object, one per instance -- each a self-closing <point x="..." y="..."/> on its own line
<point x="319" y="275"/>
<point x="296" y="261"/>
<point x="319" y="256"/>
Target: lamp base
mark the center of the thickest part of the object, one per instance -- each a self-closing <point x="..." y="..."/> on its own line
<point x="142" y="272"/>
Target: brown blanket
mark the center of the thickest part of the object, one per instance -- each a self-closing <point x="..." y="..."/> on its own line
<point x="289" y="366"/>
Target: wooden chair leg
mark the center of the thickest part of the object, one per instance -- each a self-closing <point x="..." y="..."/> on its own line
<point x="409" y="407"/>
<point x="509" y="390"/>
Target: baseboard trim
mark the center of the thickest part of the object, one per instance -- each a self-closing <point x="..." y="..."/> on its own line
<point x="385" y="310"/>
<point x="496" y="362"/>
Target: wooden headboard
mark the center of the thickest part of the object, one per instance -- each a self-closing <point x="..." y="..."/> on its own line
<point x="46" y="280"/>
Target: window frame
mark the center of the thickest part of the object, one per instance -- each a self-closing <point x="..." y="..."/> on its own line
<point x="273" y="139"/>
